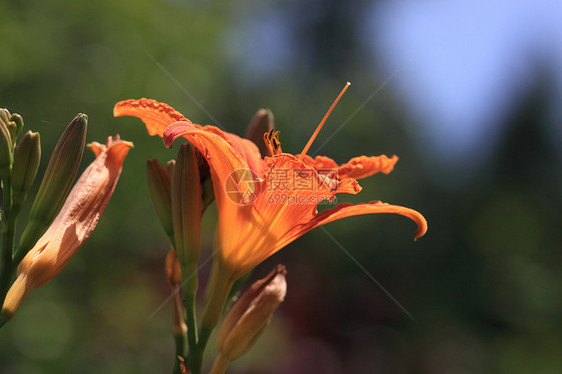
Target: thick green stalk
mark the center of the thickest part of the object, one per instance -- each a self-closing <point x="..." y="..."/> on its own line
<point x="8" y="239"/>
<point x="190" y="318"/>
<point x="219" y="289"/>
<point x="181" y="348"/>
<point x="189" y="287"/>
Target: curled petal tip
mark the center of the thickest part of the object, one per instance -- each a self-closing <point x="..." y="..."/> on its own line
<point x="176" y="130"/>
<point x="422" y="227"/>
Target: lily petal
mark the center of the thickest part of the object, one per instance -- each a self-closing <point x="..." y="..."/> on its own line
<point x="155" y="115"/>
<point x="286" y="209"/>
<point x="363" y="166"/>
<point x="356" y="168"/>
<point x="348" y="210"/>
<point x="224" y="161"/>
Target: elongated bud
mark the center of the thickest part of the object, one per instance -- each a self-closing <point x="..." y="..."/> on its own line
<point x="74" y="224"/>
<point x="186" y="211"/>
<point x="170" y="165"/>
<point x="6" y="144"/>
<point x="26" y="164"/>
<point x="250" y="315"/>
<point x="57" y="180"/>
<point x="261" y="123"/>
<point x="160" y="188"/>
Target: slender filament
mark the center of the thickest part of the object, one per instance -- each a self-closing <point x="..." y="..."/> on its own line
<point x="311" y="140"/>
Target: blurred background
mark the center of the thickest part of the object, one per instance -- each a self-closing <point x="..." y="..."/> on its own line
<point x="466" y="93"/>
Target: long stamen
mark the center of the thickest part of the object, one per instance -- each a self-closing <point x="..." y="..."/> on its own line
<point x="311" y="140"/>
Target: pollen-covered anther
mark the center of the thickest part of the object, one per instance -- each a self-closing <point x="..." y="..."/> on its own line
<point x="271" y="139"/>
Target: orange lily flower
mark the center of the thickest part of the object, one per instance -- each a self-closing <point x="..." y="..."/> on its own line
<point x="256" y="218"/>
<point x="75" y="222"/>
<point x="260" y="213"/>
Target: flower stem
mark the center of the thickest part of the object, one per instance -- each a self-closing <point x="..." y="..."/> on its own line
<point x="181" y="348"/>
<point x="218" y="291"/>
<point x="190" y="318"/>
<point x="8" y="239"/>
<point x="180" y="332"/>
<point x="190" y="285"/>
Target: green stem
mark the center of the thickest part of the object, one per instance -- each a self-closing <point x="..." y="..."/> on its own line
<point x="181" y="348"/>
<point x="190" y="285"/>
<point x="218" y="291"/>
<point x="8" y="239"/>
<point x="190" y="318"/>
<point x="180" y="332"/>
<point x="197" y="353"/>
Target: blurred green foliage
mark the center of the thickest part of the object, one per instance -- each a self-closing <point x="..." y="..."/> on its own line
<point x="484" y="285"/>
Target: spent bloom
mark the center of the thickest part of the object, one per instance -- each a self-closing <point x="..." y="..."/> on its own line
<point x="75" y="222"/>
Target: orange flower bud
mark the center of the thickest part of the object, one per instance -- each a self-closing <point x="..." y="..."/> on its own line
<point x="261" y="123"/>
<point x="173" y="269"/>
<point x="73" y="225"/>
<point x="186" y="212"/>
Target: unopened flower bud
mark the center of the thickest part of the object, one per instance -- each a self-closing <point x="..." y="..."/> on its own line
<point x="173" y="269"/>
<point x="5" y="115"/>
<point x="24" y="169"/>
<point x="57" y="180"/>
<point x="160" y="188"/>
<point x="6" y="144"/>
<point x="261" y="123"/>
<point x="250" y="315"/>
<point x="186" y="211"/>
<point x="18" y="120"/>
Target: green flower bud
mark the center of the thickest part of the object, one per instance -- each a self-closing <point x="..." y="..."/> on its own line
<point x="57" y="181"/>
<point x="160" y="188"/>
<point x="18" y="121"/>
<point x="6" y="145"/>
<point x="5" y="115"/>
<point x="24" y="169"/>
